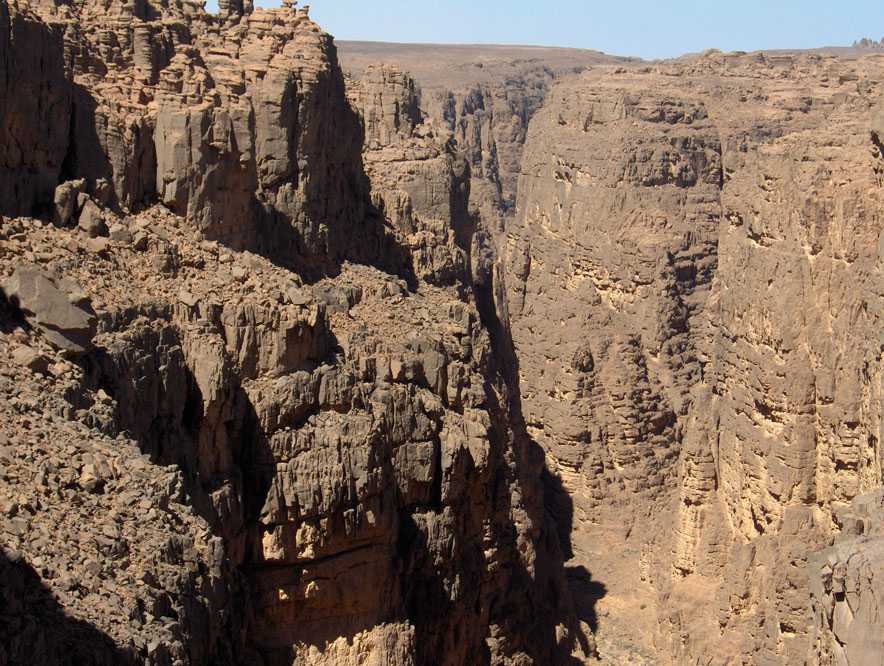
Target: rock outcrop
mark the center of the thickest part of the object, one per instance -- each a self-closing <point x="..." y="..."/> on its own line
<point x="306" y="367"/>
<point x="65" y="317"/>
<point x="486" y="97"/>
<point x="846" y="589"/>
<point x="419" y="182"/>
<point x="248" y="314"/>
<point x="35" y="110"/>
<point x="695" y="289"/>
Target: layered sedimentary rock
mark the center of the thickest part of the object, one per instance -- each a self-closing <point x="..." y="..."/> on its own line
<point x="695" y="292"/>
<point x="286" y="381"/>
<point x="795" y="357"/>
<point x="325" y="451"/>
<point x="420" y="184"/>
<point x="610" y="263"/>
<point x="486" y="97"/>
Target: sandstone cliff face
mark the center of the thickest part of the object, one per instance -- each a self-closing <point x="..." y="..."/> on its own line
<point x="329" y="447"/>
<point x="236" y="125"/>
<point x="490" y="121"/>
<point x="258" y="118"/>
<point x="486" y="97"/>
<point x="695" y="292"/>
<point x="610" y="263"/>
<point x="337" y="441"/>
<point x="286" y="381"/>
<point x="419" y="183"/>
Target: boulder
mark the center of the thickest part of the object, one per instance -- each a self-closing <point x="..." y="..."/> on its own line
<point x="103" y="191"/>
<point x="31" y="359"/>
<point x="91" y="220"/>
<point x="68" y="326"/>
<point x="65" y="204"/>
<point x="120" y="234"/>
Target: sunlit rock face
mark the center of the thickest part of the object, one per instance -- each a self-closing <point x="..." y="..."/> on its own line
<point x="510" y="364"/>
<point x="282" y="426"/>
<point x="695" y="294"/>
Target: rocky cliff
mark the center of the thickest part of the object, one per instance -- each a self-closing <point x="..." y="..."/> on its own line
<point x="318" y="364"/>
<point x="485" y="96"/>
<point x="695" y="291"/>
<point x="256" y="409"/>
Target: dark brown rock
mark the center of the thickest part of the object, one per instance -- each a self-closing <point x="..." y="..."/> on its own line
<point x="66" y="325"/>
<point x="35" y="111"/>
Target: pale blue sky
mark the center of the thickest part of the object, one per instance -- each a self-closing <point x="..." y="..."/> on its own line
<point x="644" y="28"/>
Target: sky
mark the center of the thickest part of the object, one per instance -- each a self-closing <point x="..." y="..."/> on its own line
<point x="644" y="28"/>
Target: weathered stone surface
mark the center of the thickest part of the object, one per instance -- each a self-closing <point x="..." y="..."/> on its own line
<point x="418" y="183"/>
<point x="349" y="397"/>
<point x="255" y="144"/>
<point x="35" y="110"/>
<point x="30" y="358"/>
<point x="66" y="201"/>
<point x="55" y="306"/>
<point x="345" y="438"/>
<point x="91" y="220"/>
<point x="877" y="124"/>
<point x="695" y="292"/>
<point x="847" y="589"/>
<point x="484" y="96"/>
<point x="334" y="442"/>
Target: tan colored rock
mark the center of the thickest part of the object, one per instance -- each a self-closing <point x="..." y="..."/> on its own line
<point x="724" y="341"/>
<point x="877" y="125"/>
<point x="66" y="200"/>
<point x="343" y="404"/>
<point x="485" y="97"/>
<point x="418" y="183"/>
<point x="30" y="358"/>
<point x="846" y="590"/>
<point x="91" y="221"/>
<point x="333" y="434"/>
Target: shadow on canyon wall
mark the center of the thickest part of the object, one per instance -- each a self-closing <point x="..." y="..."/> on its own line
<point x="557" y="504"/>
<point x="585" y="591"/>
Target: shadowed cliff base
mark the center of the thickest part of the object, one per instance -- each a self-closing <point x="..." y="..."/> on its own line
<point x="554" y="503"/>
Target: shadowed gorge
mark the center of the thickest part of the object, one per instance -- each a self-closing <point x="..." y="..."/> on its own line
<point x="408" y="355"/>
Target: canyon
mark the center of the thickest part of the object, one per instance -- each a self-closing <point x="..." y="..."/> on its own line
<point x="357" y="353"/>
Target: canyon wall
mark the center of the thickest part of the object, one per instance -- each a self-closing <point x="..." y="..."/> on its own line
<point x="486" y="97"/>
<point x="536" y="355"/>
<point x="256" y="409"/>
<point x="695" y="292"/>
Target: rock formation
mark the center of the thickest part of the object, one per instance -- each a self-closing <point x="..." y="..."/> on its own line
<point x="35" y="108"/>
<point x="695" y="292"/>
<point x="251" y="364"/>
<point x="312" y="364"/>
<point x="486" y="97"/>
<point x="846" y="589"/>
